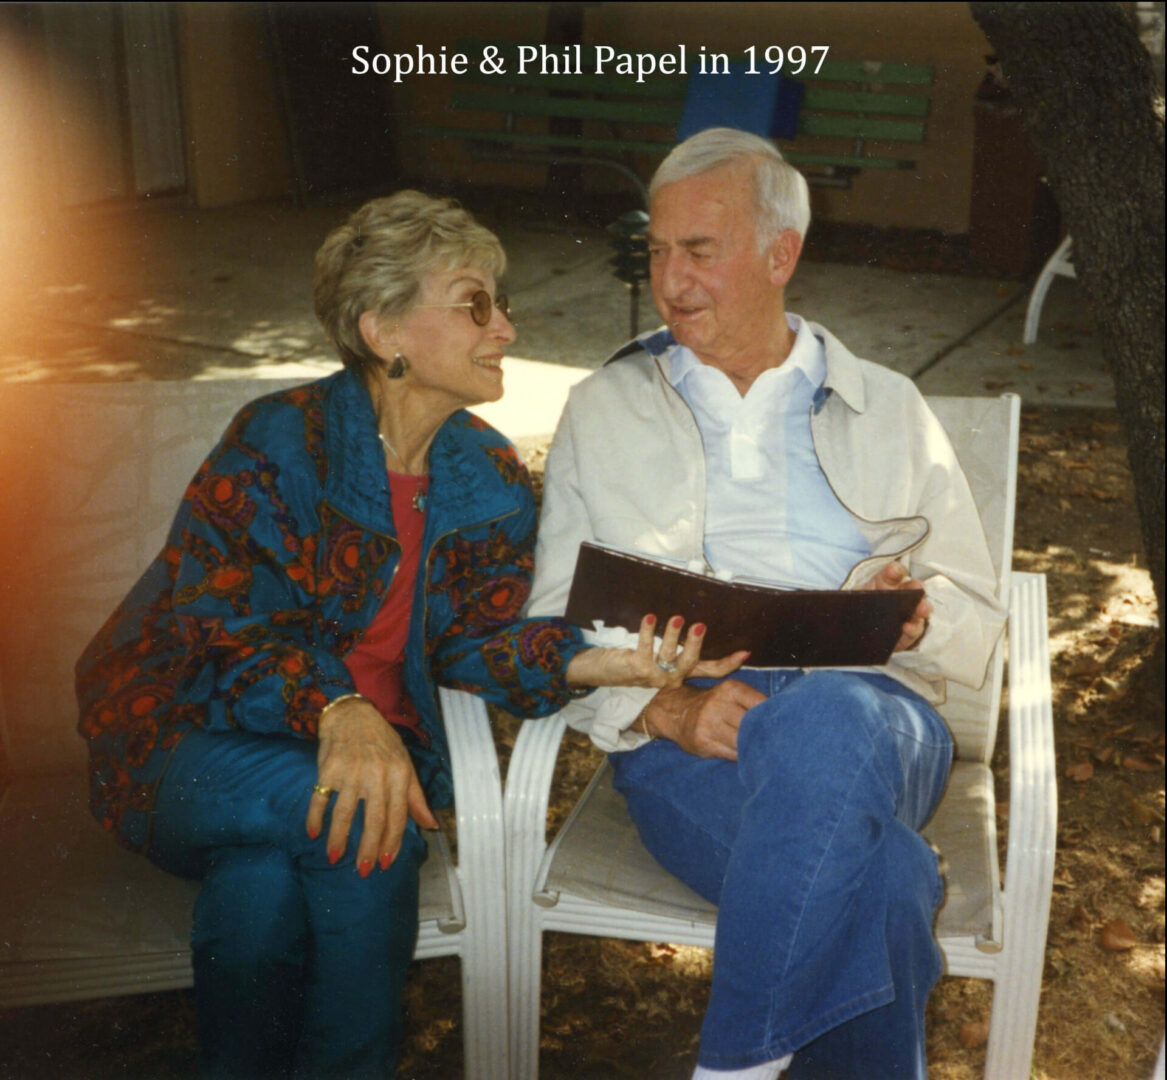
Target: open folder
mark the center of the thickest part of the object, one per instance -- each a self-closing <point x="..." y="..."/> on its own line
<point x="780" y="627"/>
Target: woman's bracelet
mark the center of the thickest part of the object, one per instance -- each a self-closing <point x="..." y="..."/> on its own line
<point x="642" y="720"/>
<point x="343" y="697"/>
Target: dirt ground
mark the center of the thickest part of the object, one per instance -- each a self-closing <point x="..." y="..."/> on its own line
<point x="620" y="1011"/>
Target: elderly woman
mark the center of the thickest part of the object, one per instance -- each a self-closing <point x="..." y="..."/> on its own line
<point x="262" y="708"/>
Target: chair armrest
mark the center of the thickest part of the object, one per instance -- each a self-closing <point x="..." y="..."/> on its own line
<point x="1033" y="793"/>
<point x="1033" y="816"/>
<point x="477" y="804"/>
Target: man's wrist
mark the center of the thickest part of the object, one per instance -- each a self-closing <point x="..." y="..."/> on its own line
<point x="659" y="712"/>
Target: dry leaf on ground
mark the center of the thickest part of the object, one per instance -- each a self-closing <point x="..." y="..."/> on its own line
<point x="1118" y="936"/>
<point x="1079" y="771"/>
<point x="974" y="1033"/>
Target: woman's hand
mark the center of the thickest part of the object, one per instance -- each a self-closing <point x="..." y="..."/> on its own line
<point x="362" y="757"/>
<point x="643" y="666"/>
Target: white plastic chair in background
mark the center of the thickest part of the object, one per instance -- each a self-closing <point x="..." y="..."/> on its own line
<point x="597" y="879"/>
<point x="91" y="476"/>
<point x="1059" y="264"/>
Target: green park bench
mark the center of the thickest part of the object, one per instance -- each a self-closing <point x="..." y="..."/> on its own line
<point x="610" y="120"/>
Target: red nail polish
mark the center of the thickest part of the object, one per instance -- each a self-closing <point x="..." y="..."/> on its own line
<point x="650" y="619"/>
<point x="677" y="622"/>
<point x="334" y="855"/>
<point x="313" y="832"/>
<point x="365" y="868"/>
<point x="699" y="629"/>
<point x="386" y="861"/>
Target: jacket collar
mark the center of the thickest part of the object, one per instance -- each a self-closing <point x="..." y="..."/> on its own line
<point x="465" y="486"/>
<point x="844" y="376"/>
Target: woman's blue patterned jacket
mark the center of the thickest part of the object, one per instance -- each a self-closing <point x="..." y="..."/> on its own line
<point x="275" y="565"/>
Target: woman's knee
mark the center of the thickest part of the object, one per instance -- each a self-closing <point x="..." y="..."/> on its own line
<point x="251" y="908"/>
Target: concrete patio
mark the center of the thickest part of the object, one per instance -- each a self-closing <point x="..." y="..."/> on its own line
<point x="171" y="292"/>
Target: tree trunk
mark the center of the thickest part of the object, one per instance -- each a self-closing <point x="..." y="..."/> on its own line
<point x="1085" y="87"/>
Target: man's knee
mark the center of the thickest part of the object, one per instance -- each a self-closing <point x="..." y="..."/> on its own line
<point x="915" y="887"/>
<point x="821" y="708"/>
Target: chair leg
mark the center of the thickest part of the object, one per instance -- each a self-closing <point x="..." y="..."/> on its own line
<point x="1056" y="264"/>
<point x="526" y="973"/>
<point x="484" y="1015"/>
<point x="482" y="873"/>
<point x="1013" y="1023"/>
<point x="528" y="790"/>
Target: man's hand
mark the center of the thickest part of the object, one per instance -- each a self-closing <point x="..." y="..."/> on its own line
<point x="361" y="757"/>
<point x="703" y="722"/>
<point x="894" y="576"/>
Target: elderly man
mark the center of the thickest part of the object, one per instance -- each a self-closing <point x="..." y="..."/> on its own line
<point x="751" y="440"/>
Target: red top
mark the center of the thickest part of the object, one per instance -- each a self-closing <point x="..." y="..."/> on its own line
<point x="378" y="661"/>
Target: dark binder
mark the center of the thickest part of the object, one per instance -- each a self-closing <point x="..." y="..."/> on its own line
<point x="780" y="627"/>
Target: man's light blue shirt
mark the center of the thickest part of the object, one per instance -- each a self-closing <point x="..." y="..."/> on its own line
<point x="770" y="512"/>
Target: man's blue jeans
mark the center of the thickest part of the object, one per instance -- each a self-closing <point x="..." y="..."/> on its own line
<point x="299" y="964"/>
<point x="808" y="844"/>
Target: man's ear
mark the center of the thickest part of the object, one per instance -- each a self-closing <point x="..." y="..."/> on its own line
<point x="784" y="253"/>
<point x="375" y="334"/>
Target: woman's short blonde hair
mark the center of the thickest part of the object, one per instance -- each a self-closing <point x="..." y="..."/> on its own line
<point x="376" y="261"/>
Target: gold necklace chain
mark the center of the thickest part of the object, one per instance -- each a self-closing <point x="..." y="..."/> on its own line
<point x="419" y="495"/>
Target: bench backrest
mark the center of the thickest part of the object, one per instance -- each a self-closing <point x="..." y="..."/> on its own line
<point x="90" y="478"/>
<point x="855" y="101"/>
<point x="984" y="432"/>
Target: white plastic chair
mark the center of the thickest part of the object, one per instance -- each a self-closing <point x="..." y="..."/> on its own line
<point x="596" y="878"/>
<point x="1059" y="264"/>
<point x="91" y="476"/>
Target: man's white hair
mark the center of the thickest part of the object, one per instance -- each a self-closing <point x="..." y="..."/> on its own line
<point x="781" y="195"/>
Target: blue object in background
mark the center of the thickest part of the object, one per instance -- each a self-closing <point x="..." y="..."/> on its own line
<point x="764" y="104"/>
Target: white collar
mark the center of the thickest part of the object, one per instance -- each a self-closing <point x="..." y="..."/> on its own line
<point x="806" y="356"/>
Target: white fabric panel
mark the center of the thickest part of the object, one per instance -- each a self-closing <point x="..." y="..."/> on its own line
<point x="84" y="918"/>
<point x="90" y="478"/>
<point x="984" y="435"/>
<point x="600" y="858"/>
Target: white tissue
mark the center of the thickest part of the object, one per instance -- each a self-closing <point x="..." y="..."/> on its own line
<point x="612" y="637"/>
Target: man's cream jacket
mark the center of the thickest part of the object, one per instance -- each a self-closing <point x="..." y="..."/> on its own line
<point x="627" y="467"/>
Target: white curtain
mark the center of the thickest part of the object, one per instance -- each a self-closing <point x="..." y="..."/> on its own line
<point x="117" y="111"/>
<point x="154" y="106"/>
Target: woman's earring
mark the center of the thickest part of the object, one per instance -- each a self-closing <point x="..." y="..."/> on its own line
<point x="397" y="367"/>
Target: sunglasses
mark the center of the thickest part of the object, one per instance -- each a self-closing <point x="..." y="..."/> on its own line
<point x="480" y="305"/>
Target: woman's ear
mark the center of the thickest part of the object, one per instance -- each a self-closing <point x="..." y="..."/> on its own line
<point x="376" y="334"/>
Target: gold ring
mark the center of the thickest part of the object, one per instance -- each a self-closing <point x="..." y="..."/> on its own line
<point x="322" y="789"/>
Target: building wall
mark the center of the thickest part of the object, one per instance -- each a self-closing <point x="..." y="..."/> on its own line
<point x="237" y="150"/>
<point x="63" y="150"/>
<point x="934" y="195"/>
<point x="236" y="147"/>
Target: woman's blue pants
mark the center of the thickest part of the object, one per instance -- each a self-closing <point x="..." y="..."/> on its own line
<point x="299" y="964"/>
<point x="826" y="891"/>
